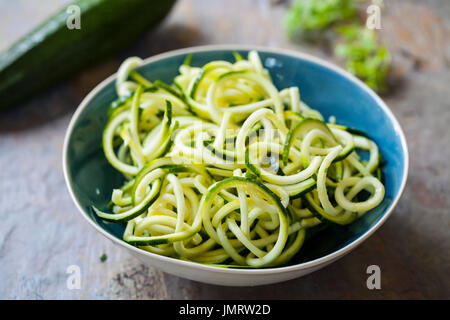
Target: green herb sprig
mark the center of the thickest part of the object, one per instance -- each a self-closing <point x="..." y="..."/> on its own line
<point x="357" y="47"/>
<point x="305" y="16"/>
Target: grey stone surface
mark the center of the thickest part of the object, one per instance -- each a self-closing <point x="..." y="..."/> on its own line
<point x="42" y="234"/>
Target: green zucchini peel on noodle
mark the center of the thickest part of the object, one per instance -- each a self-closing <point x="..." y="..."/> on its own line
<point x="225" y="169"/>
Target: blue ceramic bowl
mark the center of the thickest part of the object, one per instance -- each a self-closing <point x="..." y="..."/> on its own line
<point x="323" y="86"/>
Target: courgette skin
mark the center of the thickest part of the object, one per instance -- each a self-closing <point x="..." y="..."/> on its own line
<point x="52" y="52"/>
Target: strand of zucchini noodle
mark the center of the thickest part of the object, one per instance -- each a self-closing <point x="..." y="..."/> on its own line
<point x="223" y="168"/>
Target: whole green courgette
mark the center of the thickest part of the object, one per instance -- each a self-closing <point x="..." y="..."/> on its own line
<point x="53" y="52"/>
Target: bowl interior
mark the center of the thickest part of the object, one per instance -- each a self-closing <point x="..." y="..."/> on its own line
<point x="332" y="93"/>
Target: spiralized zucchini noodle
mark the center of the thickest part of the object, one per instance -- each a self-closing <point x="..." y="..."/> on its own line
<point x="223" y="168"/>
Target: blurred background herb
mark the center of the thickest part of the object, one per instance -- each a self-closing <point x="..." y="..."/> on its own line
<point x="305" y="16"/>
<point x="341" y="23"/>
<point x="363" y="56"/>
<point x="32" y="138"/>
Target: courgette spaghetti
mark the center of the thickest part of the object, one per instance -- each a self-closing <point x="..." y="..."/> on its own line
<point x="223" y="168"/>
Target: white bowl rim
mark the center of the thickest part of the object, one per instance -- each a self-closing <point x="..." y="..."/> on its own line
<point x="234" y="271"/>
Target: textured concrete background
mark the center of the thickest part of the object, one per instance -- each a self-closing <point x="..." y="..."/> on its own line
<point x="41" y="232"/>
